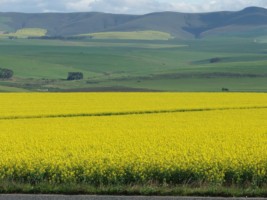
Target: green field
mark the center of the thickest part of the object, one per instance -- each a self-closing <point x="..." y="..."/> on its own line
<point x="135" y="65"/>
<point x="136" y="35"/>
<point x="25" y="33"/>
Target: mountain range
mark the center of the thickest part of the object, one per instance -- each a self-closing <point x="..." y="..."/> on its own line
<point x="251" y="21"/>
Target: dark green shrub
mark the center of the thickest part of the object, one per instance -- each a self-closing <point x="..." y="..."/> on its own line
<point x="6" y="73"/>
<point x="75" y="76"/>
<point x="215" y="60"/>
<point x="225" y="90"/>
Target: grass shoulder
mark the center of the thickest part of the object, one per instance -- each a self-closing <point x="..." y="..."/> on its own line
<point x="144" y="190"/>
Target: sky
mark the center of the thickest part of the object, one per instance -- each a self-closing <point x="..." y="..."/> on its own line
<point x="126" y="6"/>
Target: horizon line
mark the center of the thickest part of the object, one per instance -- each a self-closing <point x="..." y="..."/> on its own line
<point x="166" y="11"/>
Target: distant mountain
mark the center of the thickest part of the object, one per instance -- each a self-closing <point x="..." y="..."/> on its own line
<point x="251" y="21"/>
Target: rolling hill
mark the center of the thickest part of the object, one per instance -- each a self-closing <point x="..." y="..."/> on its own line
<point x="251" y="21"/>
<point x="167" y="51"/>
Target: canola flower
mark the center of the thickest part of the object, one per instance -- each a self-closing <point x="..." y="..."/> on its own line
<point x="45" y="104"/>
<point x="215" y="147"/>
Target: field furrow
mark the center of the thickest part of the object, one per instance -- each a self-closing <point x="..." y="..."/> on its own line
<point x="146" y="112"/>
<point x="65" y="104"/>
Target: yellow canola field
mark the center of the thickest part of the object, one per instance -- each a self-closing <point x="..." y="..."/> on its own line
<point x="45" y="104"/>
<point x="221" y="147"/>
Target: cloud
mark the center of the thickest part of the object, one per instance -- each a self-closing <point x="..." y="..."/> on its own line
<point x="126" y="6"/>
<point x="212" y="5"/>
<point x="118" y="6"/>
<point x="30" y="5"/>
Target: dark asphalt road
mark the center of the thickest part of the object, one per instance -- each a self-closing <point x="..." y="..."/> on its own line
<point x="82" y="197"/>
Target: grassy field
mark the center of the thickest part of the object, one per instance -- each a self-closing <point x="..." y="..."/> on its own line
<point x="25" y="33"/>
<point x="127" y="65"/>
<point x="105" y="143"/>
<point x="137" y="35"/>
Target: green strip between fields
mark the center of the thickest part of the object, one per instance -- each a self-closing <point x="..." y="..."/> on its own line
<point x="129" y="113"/>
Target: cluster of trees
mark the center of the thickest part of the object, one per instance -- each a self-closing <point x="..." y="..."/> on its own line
<point x="6" y="73"/>
<point x="225" y="90"/>
<point x="215" y="60"/>
<point x="75" y="76"/>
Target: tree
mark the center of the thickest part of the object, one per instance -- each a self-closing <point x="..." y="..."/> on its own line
<point x="75" y="76"/>
<point x="215" y="60"/>
<point x="6" y="73"/>
<point x="225" y="90"/>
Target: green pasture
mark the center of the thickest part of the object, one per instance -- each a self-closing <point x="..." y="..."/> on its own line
<point x="122" y="65"/>
<point x="25" y="33"/>
<point x="134" y="35"/>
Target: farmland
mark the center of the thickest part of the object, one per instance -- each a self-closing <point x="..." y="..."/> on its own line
<point x="135" y="65"/>
<point x="101" y="140"/>
<point x="26" y="32"/>
<point x="137" y="35"/>
<point x="163" y="103"/>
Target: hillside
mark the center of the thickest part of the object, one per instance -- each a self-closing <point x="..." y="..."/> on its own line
<point x="152" y="52"/>
<point x="210" y="64"/>
<point x="251" y="21"/>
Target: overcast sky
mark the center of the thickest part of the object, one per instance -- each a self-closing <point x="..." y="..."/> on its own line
<point x="126" y="6"/>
